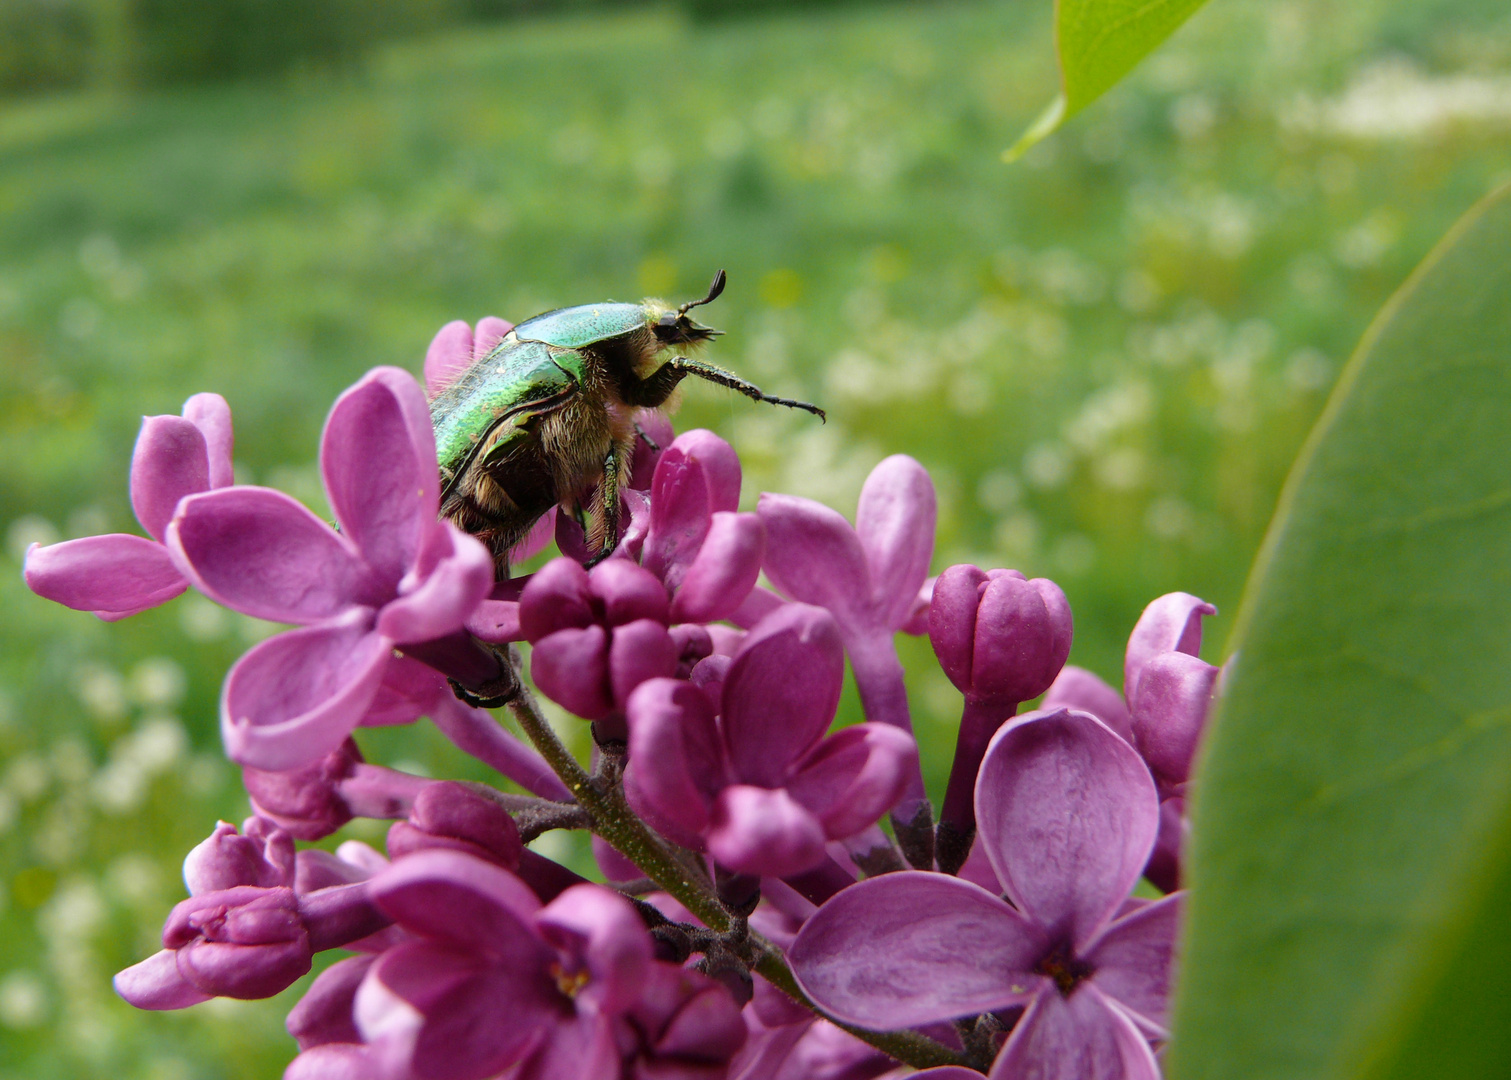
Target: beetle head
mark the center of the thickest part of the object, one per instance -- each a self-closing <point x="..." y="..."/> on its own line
<point x="676" y="327"/>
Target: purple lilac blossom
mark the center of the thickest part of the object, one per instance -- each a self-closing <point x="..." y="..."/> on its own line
<point x="1163" y="719"/>
<point x="746" y="771"/>
<point x="576" y="978"/>
<point x="869" y="577"/>
<point x="1068" y="813"/>
<point x="393" y="576"/>
<point x="1001" y="639"/>
<point x="245" y="932"/>
<point x="119" y="574"/>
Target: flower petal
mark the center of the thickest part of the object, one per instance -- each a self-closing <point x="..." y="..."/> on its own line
<point x="1069" y="813"/>
<point x="448" y="596"/>
<point x="1077" y="688"/>
<point x="211" y="414"/>
<point x="571" y="667"/>
<point x="676" y="763"/>
<point x="627" y="592"/>
<point x="558" y="596"/>
<point x="895" y="523"/>
<point x="639" y="651"/>
<point x="1135" y="959"/>
<point x="760" y="831"/>
<point x="463" y="901"/>
<point x="1170" y="710"/>
<point x="409" y="690"/>
<point x="535" y="541"/>
<point x="602" y="930"/>
<point x="680" y="513"/>
<point x="1171" y="623"/>
<point x="377" y="457"/>
<point x="296" y="696"/>
<point x="855" y="776"/>
<point x="114" y="576"/>
<point x="496" y="622"/>
<point x="449" y="354"/>
<point x="171" y="460"/>
<point x="324" y="1014"/>
<point x="658" y="436"/>
<point x="725" y="570"/>
<point x="490" y="331"/>
<point x="914" y="948"/>
<point x="814" y="556"/>
<point x="1081" y="1037"/>
<point x="156" y="984"/>
<point x="260" y="552"/>
<point x="781" y="692"/>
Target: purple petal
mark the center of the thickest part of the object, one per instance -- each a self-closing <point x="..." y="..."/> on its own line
<point x="1169" y="711"/>
<point x="337" y="1061"/>
<point x="581" y="1047"/>
<point x="855" y="776"/>
<point x="571" y="667"/>
<point x="1023" y="633"/>
<point x="409" y="690"/>
<point x="462" y="999"/>
<point x="377" y="456"/>
<point x="1134" y="959"/>
<point x="895" y="524"/>
<point x="155" y="983"/>
<point x="297" y="696"/>
<point x="721" y="466"/>
<point x="463" y="901"/>
<point x="660" y="432"/>
<point x="639" y="651"/>
<point x="226" y="859"/>
<point x="211" y="414"/>
<point x="1081" y="1037"/>
<point x="704" y="1029"/>
<point x="601" y="930"/>
<point x="462" y="577"/>
<point x="1077" y="688"/>
<point x="245" y="972"/>
<point x="490" y="331"/>
<point x="1171" y="623"/>
<point x="449" y="355"/>
<point x="170" y="461"/>
<point x="306" y="801"/>
<point x="1068" y="813"/>
<point x="1164" y="866"/>
<point x="114" y="576"/>
<point x="946" y="1072"/>
<point x="324" y="1014"/>
<point x="558" y="597"/>
<point x="260" y="552"/>
<point x="676" y="762"/>
<point x="628" y="592"/>
<point x="914" y="948"/>
<point x="760" y="831"/>
<point x="952" y="620"/>
<point x="451" y="815"/>
<point x="496" y="622"/>
<point x="917" y="623"/>
<point x="476" y="732"/>
<point x="814" y="556"/>
<point x="615" y="866"/>
<point x="535" y="541"/>
<point x="760" y="603"/>
<point x="781" y="692"/>
<point x="680" y="512"/>
<point x="725" y="570"/>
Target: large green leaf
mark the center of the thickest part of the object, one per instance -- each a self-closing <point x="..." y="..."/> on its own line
<point x="1099" y="41"/>
<point x="1351" y="868"/>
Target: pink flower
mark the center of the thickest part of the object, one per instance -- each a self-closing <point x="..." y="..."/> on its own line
<point x="120" y="574"/>
<point x="392" y="576"/>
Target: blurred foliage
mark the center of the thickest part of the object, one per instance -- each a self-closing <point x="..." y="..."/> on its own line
<point x="1107" y="355"/>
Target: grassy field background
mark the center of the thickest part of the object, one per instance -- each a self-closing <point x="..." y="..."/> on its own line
<point x="1107" y="355"/>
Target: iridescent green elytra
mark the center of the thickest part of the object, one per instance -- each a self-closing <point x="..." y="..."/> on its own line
<point x="547" y="417"/>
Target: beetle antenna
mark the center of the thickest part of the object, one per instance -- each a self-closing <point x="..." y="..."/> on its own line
<point x="714" y="289"/>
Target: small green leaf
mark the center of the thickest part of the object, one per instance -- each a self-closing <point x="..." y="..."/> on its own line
<point x="1351" y="866"/>
<point x="1099" y="42"/>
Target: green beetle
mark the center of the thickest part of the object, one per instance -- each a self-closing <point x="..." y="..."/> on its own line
<point x="547" y="416"/>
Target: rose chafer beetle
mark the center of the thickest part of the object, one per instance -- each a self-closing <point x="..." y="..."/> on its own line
<point x="547" y="416"/>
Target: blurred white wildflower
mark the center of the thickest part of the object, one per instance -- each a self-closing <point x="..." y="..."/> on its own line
<point x="23" y="1000"/>
<point x="1394" y="99"/>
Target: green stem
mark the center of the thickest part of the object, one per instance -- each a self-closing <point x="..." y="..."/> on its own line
<point x="616" y="822"/>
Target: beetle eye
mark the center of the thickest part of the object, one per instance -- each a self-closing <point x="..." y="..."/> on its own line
<point x="669" y="319"/>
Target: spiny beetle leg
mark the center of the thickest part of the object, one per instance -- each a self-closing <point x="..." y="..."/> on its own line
<point x="718" y="375"/>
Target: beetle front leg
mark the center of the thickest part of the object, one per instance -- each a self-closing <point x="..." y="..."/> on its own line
<point x="682" y="366"/>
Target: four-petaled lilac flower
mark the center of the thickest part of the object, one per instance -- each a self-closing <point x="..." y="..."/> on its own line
<point x="1168" y="694"/>
<point x="1068" y="813"/>
<point x="392" y="576"/>
<point x="737" y="759"/>
<point x="568" y="991"/>
<point x="868" y="576"/>
<point x="1001" y="639"/>
<point x="120" y="574"/>
<point x="245" y="932"/>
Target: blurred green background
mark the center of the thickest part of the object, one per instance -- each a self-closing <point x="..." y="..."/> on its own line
<point x="1107" y="355"/>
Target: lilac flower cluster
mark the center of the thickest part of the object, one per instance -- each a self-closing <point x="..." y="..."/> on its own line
<point x="759" y="924"/>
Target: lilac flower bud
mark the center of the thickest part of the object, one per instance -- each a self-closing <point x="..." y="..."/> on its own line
<point x="263" y="856"/>
<point x="1171" y="623"/>
<point x="1002" y="640"/>
<point x="1169" y="710"/>
<point x="243" y="943"/>
<point x="693" y="644"/>
<point x="447" y="814"/>
<point x="318" y="799"/>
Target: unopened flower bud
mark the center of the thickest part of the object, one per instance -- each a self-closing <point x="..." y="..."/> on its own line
<point x="452" y="815"/>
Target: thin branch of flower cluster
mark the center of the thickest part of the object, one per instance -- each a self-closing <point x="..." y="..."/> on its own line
<point x="758" y="923"/>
